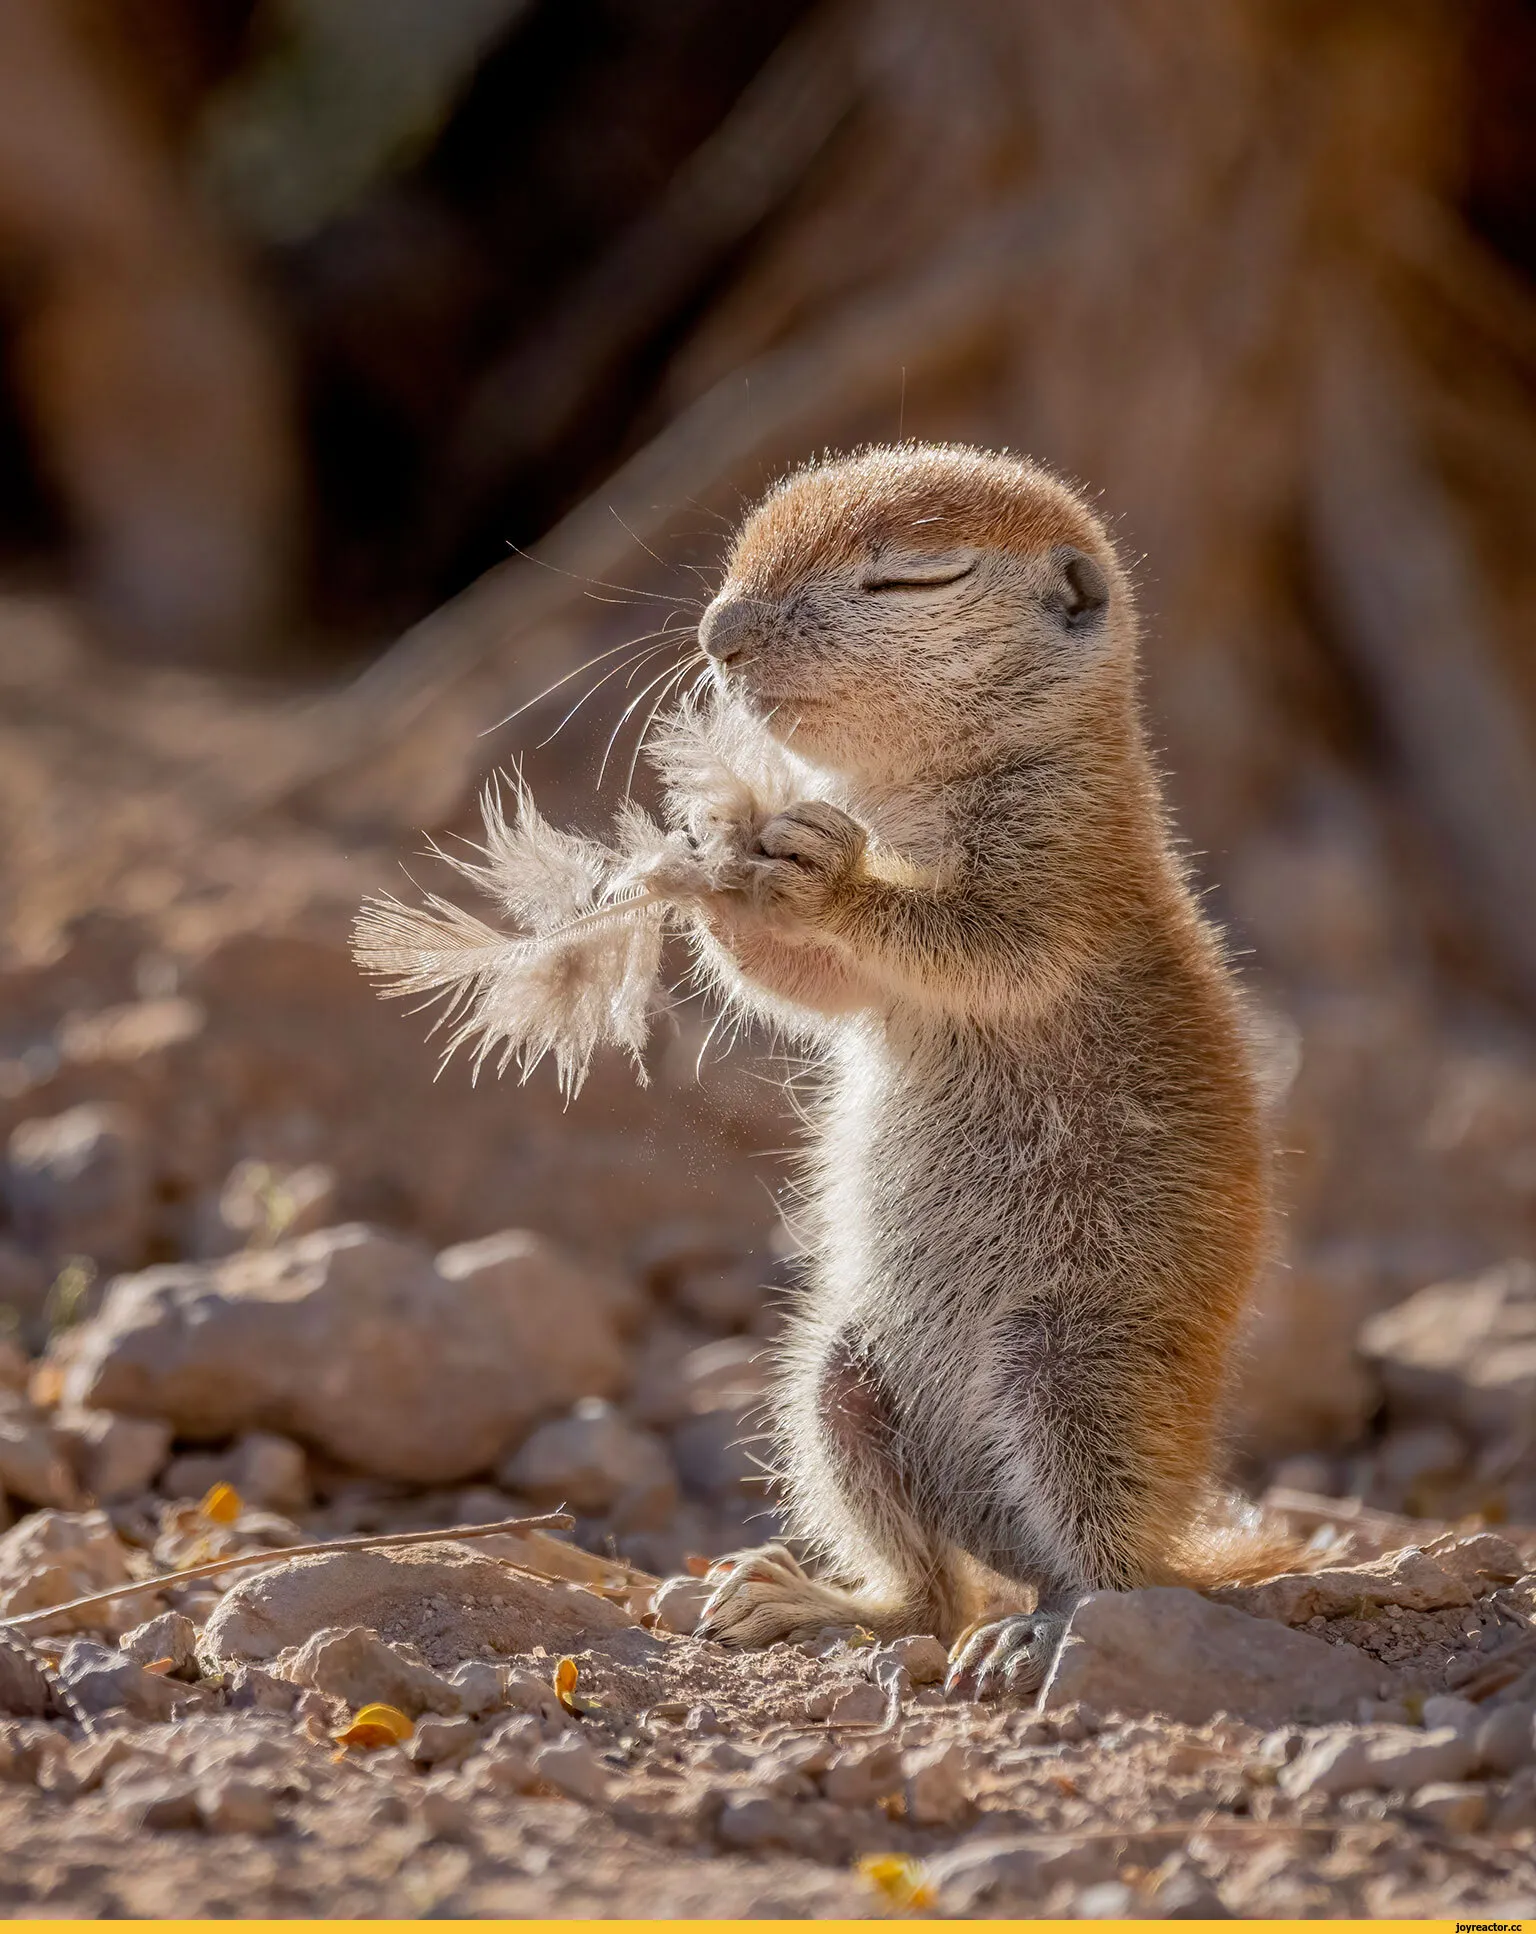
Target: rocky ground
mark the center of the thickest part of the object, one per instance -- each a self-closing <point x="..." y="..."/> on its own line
<point x="263" y="1283"/>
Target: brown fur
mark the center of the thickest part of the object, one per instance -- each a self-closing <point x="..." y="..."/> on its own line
<point x="1036" y="1190"/>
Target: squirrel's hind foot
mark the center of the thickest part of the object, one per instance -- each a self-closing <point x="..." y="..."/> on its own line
<point x="763" y="1597"/>
<point x="1006" y="1655"/>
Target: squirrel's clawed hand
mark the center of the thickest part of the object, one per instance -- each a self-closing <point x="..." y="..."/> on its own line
<point x="792" y="866"/>
<point x="807" y="855"/>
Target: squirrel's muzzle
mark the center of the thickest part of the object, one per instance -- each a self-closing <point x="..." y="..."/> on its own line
<point x="728" y="629"/>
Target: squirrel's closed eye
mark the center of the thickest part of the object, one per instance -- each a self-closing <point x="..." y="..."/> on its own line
<point x="918" y="574"/>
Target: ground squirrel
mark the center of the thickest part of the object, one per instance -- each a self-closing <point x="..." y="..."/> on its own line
<point x="1035" y="1189"/>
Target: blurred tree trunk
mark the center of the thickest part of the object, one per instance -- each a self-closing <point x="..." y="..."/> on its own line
<point x="151" y="375"/>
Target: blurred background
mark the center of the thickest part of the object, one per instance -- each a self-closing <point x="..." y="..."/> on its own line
<point x="369" y="365"/>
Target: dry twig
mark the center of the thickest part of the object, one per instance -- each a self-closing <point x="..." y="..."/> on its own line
<point x="546" y="1521"/>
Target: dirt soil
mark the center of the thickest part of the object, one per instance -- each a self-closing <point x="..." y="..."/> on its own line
<point x="192" y="1074"/>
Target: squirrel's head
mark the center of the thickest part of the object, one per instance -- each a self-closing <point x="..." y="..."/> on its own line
<point x="919" y="609"/>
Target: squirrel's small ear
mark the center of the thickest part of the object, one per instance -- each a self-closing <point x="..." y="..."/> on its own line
<point x="1079" y="592"/>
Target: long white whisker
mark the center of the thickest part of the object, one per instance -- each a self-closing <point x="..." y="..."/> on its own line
<point x="650" y="720"/>
<point x="638" y="700"/>
<point x="630" y="590"/>
<point x="587" y="664"/>
<point x="631" y="665"/>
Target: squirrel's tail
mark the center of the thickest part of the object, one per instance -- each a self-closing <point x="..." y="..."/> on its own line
<point x="1234" y="1543"/>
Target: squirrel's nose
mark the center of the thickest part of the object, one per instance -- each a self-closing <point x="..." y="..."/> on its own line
<point x="725" y="630"/>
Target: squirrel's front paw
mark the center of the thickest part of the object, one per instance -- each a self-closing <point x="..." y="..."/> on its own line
<point x="676" y="872"/>
<point x="807" y="854"/>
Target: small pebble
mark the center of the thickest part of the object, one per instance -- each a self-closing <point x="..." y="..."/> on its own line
<point x="571" y="1767"/>
<point x="936" y="1782"/>
<point x="1506" y="1739"/>
<point x="236" y="1806"/>
<point x="1445" y="1709"/>
<point x="440" y="1742"/>
<point x="860" y="1705"/>
<point x="446" y="1816"/>
<point x="1458" y="1806"/>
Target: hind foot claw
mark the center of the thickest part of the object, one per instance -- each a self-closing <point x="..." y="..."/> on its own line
<point x="763" y="1597"/>
<point x="1009" y="1655"/>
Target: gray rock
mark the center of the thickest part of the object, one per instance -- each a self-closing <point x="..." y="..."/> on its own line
<point x="236" y="1806"/>
<point x="442" y="1742"/>
<point x="534" y="1698"/>
<point x="358" y="1343"/>
<point x="732" y="1374"/>
<point x="445" y="1816"/>
<point x="937" y="1782"/>
<point x="678" y="1604"/>
<point x="505" y="1757"/>
<point x="864" y="1775"/>
<point x="270" y="1472"/>
<point x="1505" y="1740"/>
<point x="571" y="1767"/>
<point x="170" y="1636"/>
<point x="448" y="1600"/>
<point x="1381" y="1759"/>
<point x="859" y="1705"/>
<point x="588" y="1461"/>
<point x="1445" y="1709"/>
<point x="33" y="1465"/>
<point x="53" y="1556"/>
<point x="1106" y="1900"/>
<point x="247" y="1688"/>
<point x="924" y="1658"/>
<point x="100" y="1679"/>
<point x="157" y="1804"/>
<point x="751" y="1821"/>
<point x="479" y="1686"/>
<point x="1481" y="1558"/>
<point x="81" y="1183"/>
<point x="1018" y="1866"/>
<point x="1457" y="1806"/>
<point x="27" y="1687"/>
<point x="1178" y="1891"/>
<point x="1412" y="1579"/>
<point x="115" y="1457"/>
<point x="354" y="1664"/>
<point x="1462" y="1353"/>
<point x="1170" y="1651"/>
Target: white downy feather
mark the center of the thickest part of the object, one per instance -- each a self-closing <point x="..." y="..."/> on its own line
<point x="583" y="970"/>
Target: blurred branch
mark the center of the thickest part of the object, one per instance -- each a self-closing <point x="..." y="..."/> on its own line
<point x="143" y="356"/>
<point x="1415" y="622"/>
<point x="530" y="399"/>
<point x="349" y="90"/>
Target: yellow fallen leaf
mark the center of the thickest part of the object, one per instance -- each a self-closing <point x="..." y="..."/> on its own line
<point x="160" y="1667"/>
<point x="223" y="1504"/>
<point x="375" y="1726"/>
<point x="577" y="1703"/>
<point x="901" y="1879"/>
